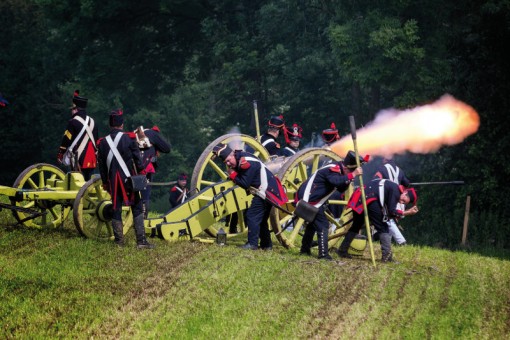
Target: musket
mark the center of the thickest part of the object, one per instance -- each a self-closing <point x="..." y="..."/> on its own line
<point x="162" y="183"/>
<point x="438" y="183"/>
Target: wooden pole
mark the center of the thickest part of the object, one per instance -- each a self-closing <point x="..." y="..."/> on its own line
<point x="466" y="220"/>
<point x="256" y="112"/>
<point x="363" y="197"/>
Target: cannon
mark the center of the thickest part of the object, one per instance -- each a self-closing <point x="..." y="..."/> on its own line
<point x="44" y="196"/>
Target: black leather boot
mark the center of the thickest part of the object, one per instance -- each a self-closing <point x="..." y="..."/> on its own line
<point x="306" y="242"/>
<point x="118" y="232"/>
<point x="322" y="238"/>
<point x="141" y="241"/>
<point x="346" y="243"/>
<point x="387" y="255"/>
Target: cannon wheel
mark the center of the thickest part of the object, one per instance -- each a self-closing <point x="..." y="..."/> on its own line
<point x="208" y="171"/>
<point x="38" y="177"/>
<point x="293" y="173"/>
<point x="92" y="212"/>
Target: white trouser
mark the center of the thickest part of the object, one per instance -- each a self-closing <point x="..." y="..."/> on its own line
<point x="395" y="232"/>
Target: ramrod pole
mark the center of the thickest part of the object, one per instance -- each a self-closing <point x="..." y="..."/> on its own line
<point x="363" y="197"/>
<point x="256" y="112"/>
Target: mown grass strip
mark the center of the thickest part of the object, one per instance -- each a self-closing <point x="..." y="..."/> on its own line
<point x="54" y="284"/>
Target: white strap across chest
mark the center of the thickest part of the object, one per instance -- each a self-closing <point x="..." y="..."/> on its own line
<point x="86" y="128"/>
<point x="115" y="153"/>
<point x="263" y="173"/>
<point x="267" y="141"/>
<point x="184" y="196"/>
<point x="290" y="150"/>
<point x="308" y="188"/>
<point x="392" y="173"/>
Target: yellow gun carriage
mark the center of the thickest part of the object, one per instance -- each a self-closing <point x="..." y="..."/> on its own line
<point x="43" y="196"/>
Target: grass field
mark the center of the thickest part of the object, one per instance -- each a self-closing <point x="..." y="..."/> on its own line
<point x="55" y="284"/>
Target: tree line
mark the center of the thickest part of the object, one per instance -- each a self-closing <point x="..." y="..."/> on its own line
<point x="195" y="67"/>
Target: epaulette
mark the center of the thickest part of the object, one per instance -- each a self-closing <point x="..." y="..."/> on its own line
<point x="131" y="135"/>
<point x="99" y="141"/>
<point x="335" y="168"/>
<point x="174" y="189"/>
<point x="244" y="164"/>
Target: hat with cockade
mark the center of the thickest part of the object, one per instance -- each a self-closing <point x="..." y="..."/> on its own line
<point x="350" y="160"/>
<point x="293" y="133"/>
<point x="222" y="150"/>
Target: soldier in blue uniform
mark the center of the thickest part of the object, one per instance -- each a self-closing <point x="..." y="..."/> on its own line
<point x="293" y="137"/>
<point x="179" y="193"/>
<point x="151" y="144"/>
<point x="382" y="199"/>
<point x="119" y="158"/>
<point x="316" y="190"/>
<point x="389" y="170"/>
<point x="269" y="139"/>
<point x="78" y="146"/>
<point x="329" y="136"/>
<point x="248" y="171"/>
<point x="3" y="101"/>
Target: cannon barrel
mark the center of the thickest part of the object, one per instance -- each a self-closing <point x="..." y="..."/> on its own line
<point x="438" y="183"/>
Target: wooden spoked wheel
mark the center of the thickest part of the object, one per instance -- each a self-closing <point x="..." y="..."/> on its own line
<point x="92" y="212"/>
<point x="209" y="170"/>
<point x="41" y="177"/>
<point x="292" y="174"/>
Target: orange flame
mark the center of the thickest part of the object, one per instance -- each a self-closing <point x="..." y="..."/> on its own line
<point x="423" y="129"/>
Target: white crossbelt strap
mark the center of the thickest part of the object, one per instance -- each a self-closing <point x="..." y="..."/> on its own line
<point x="83" y="128"/>
<point x="263" y="174"/>
<point x="88" y="128"/>
<point x="267" y="141"/>
<point x="381" y="200"/>
<point x="115" y="153"/>
<point x="184" y="196"/>
<point x="308" y="188"/>
<point x="392" y="173"/>
<point x="290" y="150"/>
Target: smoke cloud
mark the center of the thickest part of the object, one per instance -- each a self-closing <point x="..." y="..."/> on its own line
<point x="423" y="129"/>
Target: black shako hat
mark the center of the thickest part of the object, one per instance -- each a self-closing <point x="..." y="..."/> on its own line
<point x="222" y="150"/>
<point x="330" y="135"/>
<point x="276" y="122"/>
<point x="79" y="102"/>
<point x="116" y="118"/>
<point x="293" y="132"/>
<point x="350" y="160"/>
<point x="413" y="196"/>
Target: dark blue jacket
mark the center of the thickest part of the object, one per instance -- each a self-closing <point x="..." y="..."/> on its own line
<point x="247" y="173"/>
<point x="327" y="179"/>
